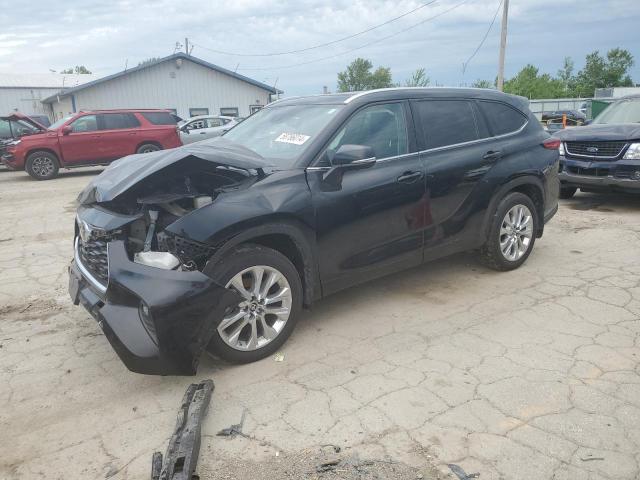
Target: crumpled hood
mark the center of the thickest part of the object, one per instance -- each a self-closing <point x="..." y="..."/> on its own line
<point x="597" y="133"/>
<point x="122" y="174"/>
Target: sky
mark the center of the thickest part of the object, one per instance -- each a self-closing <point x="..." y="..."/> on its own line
<point x="39" y="36"/>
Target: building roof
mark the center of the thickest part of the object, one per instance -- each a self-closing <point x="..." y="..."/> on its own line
<point x="44" y="80"/>
<point x="175" y="56"/>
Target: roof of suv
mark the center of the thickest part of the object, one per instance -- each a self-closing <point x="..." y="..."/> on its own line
<point x="401" y="92"/>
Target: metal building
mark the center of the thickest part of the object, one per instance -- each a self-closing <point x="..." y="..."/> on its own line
<point x="185" y="84"/>
<point x="24" y="93"/>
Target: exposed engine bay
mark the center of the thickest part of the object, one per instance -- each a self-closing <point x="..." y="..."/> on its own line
<point x="165" y="197"/>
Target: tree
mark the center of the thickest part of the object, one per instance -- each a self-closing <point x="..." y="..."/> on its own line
<point x="528" y="83"/>
<point x="483" y="84"/>
<point x="601" y="72"/>
<point x="79" y="69"/>
<point x="148" y="60"/>
<point x="418" y="79"/>
<point x="358" y="77"/>
<point x="565" y="74"/>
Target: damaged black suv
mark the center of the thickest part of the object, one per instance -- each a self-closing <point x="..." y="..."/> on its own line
<point x="218" y="245"/>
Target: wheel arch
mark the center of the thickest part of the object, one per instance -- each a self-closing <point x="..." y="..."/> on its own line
<point x="529" y="185"/>
<point x="148" y="142"/>
<point x="293" y="239"/>
<point x="43" y="149"/>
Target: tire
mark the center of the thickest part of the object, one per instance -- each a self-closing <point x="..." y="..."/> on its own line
<point x="567" y="192"/>
<point x="42" y="165"/>
<point x="247" y="258"/>
<point x="491" y="254"/>
<point x="148" y="148"/>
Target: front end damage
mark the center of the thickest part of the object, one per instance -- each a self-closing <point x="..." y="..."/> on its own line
<point x="141" y="280"/>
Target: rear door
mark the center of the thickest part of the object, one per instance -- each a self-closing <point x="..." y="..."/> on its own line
<point x="84" y="143"/>
<point x="369" y="222"/>
<point x="457" y="153"/>
<point x="120" y="134"/>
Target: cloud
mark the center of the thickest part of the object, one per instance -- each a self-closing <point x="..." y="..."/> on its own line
<point x="38" y="36"/>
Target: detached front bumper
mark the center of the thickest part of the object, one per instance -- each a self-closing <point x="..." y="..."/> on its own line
<point x="619" y="175"/>
<point x="9" y="161"/>
<point x="158" y="321"/>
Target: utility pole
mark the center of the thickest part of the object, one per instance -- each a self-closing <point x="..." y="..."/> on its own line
<point x="186" y="43"/>
<point x="503" y="44"/>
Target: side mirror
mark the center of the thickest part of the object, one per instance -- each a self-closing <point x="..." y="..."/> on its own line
<point x="66" y="130"/>
<point x="353" y="156"/>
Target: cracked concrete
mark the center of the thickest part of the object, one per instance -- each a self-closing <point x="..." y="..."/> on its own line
<point x="531" y="374"/>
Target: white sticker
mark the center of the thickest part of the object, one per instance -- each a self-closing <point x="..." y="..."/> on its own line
<point x="295" y="138"/>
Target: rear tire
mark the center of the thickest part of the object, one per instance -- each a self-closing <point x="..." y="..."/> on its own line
<point x="511" y="237"/>
<point x="567" y="192"/>
<point x="148" y="148"/>
<point x="42" y="165"/>
<point x="242" y="266"/>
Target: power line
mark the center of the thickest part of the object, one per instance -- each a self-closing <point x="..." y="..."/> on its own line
<point x="361" y="46"/>
<point x="465" y="64"/>
<point x="348" y="37"/>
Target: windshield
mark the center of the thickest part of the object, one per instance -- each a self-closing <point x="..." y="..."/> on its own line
<point x="282" y="133"/>
<point x="55" y="125"/>
<point x="625" y="111"/>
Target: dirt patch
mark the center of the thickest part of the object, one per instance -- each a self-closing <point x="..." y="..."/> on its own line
<point x="30" y="308"/>
<point x="313" y="464"/>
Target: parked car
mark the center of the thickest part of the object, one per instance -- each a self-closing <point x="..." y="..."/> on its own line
<point x="603" y="156"/>
<point x="219" y="245"/>
<point x="203" y="127"/>
<point x="16" y="125"/>
<point x="91" y="138"/>
<point x="574" y="118"/>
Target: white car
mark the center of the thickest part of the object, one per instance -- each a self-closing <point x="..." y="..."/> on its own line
<point x="205" y="126"/>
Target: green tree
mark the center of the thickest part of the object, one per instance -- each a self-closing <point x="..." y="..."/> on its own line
<point x="483" y="84"/>
<point x="529" y="83"/>
<point x="565" y="75"/>
<point x="601" y="72"/>
<point x="418" y="78"/>
<point x="80" y="69"/>
<point x="148" y="60"/>
<point x="358" y="76"/>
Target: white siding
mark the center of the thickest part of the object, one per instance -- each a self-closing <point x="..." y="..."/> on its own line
<point x="25" y="100"/>
<point x="168" y="86"/>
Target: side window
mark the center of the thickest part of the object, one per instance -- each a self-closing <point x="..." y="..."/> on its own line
<point x="88" y="123"/>
<point x="159" y="118"/>
<point x="446" y="122"/>
<point x="214" y="122"/>
<point x="382" y="127"/>
<point x="118" y="121"/>
<point x="502" y="118"/>
<point x="197" y="124"/>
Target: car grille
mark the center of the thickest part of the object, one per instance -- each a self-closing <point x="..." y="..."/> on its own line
<point x="590" y="172"/>
<point x="183" y="248"/>
<point x="609" y="150"/>
<point x="93" y="254"/>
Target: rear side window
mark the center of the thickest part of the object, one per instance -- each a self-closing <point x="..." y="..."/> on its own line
<point x="446" y="122"/>
<point x="502" y="118"/>
<point x="159" y="118"/>
<point x="118" y="121"/>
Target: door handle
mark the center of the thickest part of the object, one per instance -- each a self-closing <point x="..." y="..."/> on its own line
<point x="409" y="177"/>
<point x="492" y="156"/>
<point x="202" y="133"/>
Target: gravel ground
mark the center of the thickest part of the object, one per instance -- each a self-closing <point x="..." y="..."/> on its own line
<point x="531" y="374"/>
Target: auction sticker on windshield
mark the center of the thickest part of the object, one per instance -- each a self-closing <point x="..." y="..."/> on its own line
<point x="295" y="138"/>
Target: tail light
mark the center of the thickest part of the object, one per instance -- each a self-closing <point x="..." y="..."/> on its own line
<point x="551" y="143"/>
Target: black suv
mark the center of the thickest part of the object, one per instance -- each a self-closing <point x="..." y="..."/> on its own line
<point x="219" y="244"/>
<point x="605" y="155"/>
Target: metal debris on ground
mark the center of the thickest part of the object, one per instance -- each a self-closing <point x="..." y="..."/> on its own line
<point x="460" y="473"/>
<point x="233" y="430"/>
<point x="279" y="357"/>
<point x="179" y="463"/>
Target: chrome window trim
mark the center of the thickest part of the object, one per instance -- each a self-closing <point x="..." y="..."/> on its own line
<point x="85" y="273"/>
<point x="438" y="149"/>
<point x="626" y="145"/>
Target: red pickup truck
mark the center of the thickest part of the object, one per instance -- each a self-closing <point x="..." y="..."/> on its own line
<point x="91" y="138"/>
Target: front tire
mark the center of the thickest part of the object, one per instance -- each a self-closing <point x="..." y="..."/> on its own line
<point x="512" y="233"/>
<point x="148" y="148"/>
<point x="271" y="292"/>
<point x="42" y="165"/>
